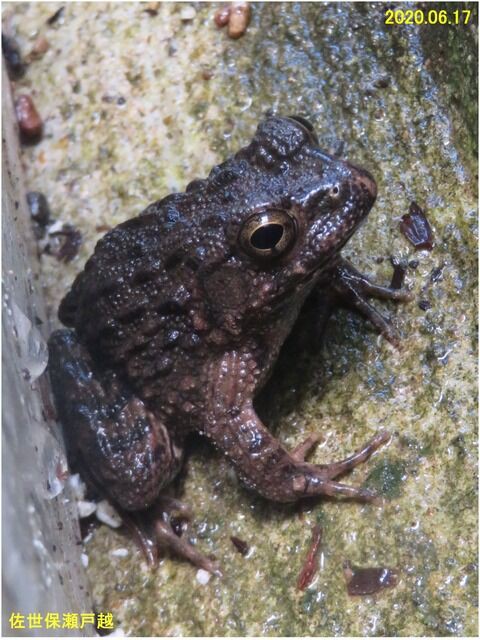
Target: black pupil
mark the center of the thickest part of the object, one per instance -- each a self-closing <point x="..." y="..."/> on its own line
<point x="267" y="237"/>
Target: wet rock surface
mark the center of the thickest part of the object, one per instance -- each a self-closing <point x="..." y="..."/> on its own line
<point x="135" y="106"/>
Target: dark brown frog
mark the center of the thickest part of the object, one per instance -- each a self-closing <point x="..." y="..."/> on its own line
<point x="179" y="315"/>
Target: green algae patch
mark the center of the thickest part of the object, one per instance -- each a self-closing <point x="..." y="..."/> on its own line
<point x="400" y="101"/>
<point x="387" y="477"/>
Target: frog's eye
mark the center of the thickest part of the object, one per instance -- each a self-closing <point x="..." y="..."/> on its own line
<point x="268" y="234"/>
<point x="303" y="121"/>
<point x="306" y="124"/>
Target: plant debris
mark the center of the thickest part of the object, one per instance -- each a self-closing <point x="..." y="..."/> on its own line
<point x="58" y="15"/>
<point x="416" y="228"/>
<point x="310" y="565"/>
<point x="240" y="545"/>
<point x="368" y="580"/>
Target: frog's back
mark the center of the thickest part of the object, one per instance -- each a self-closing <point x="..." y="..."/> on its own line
<point x="116" y="302"/>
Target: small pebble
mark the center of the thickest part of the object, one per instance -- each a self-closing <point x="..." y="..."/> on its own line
<point x="240" y="545"/>
<point x="77" y="486"/>
<point x="207" y="74"/>
<point x="39" y="209"/>
<point x="425" y="305"/>
<point x="54" y="487"/>
<point x="236" y="15"/>
<point x="436" y="274"/>
<point x="28" y="118"/>
<point x="84" y="559"/>
<point x="239" y="19"/>
<point x="64" y="243"/>
<point x="13" y="59"/>
<point x="382" y="82"/>
<point x="152" y="8"/>
<point x="203" y="577"/>
<point x="86" y="508"/>
<point x="399" y="271"/>
<point x="221" y="16"/>
<point x="40" y="47"/>
<point x="187" y="13"/>
<point x="108" y="514"/>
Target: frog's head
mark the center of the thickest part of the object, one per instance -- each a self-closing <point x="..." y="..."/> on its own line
<point x="307" y="203"/>
<point x="287" y="209"/>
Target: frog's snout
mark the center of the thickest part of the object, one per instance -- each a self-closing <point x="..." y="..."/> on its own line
<point x="365" y="180"/>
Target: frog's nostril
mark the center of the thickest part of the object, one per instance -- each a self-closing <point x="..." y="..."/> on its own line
<point x="366" y="181"/>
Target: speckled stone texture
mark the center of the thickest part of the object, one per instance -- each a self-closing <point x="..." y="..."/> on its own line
<point x="136" y="105"/>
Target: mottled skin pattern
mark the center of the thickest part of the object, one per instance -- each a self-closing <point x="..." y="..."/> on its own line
<point x="179" y="315"/>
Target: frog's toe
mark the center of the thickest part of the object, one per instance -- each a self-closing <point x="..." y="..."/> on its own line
<point x="173" y="508"/>
<point x="166" y="537"/>
<point x="382" y="324"/>
<point x="350" y="288"/>
<point x="151" y="532"/>
<point x="335" y="469"/>
<point x="302" y="450"/>
<point x="142" y="531"/>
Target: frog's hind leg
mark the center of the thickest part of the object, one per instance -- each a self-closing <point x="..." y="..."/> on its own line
<point x="125" y="450"/>
<point x="120" y="447"/>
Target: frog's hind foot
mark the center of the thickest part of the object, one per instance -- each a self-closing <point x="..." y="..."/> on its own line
<point x="351" y="289"/>
<point x="152" y="531"/>
<point x="166" y="536"/>
<point x="335" y="469"/>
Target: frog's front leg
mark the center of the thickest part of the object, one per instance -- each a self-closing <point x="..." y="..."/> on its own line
<point x="344" y="286"/>
<point x="261" y="461"/>
<point x="120" y="447"/>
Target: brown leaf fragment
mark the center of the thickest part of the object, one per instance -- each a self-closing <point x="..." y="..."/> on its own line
<point x="240" y="545"/>
<point x="368" y="580"/>
<point x="310" y="565"/>
<point x="416" y="228"/>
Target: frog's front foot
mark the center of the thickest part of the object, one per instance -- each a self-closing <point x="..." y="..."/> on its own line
<point x="264" y="465"/>
<point x="349" y="288"/>
<point x="261" y="461"/>
<point x="153" y="529"/>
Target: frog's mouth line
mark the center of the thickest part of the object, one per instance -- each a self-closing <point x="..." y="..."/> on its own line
<point x="344" y="232"/>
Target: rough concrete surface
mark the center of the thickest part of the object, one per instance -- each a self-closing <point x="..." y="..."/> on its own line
<point x="135" y="105"/>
